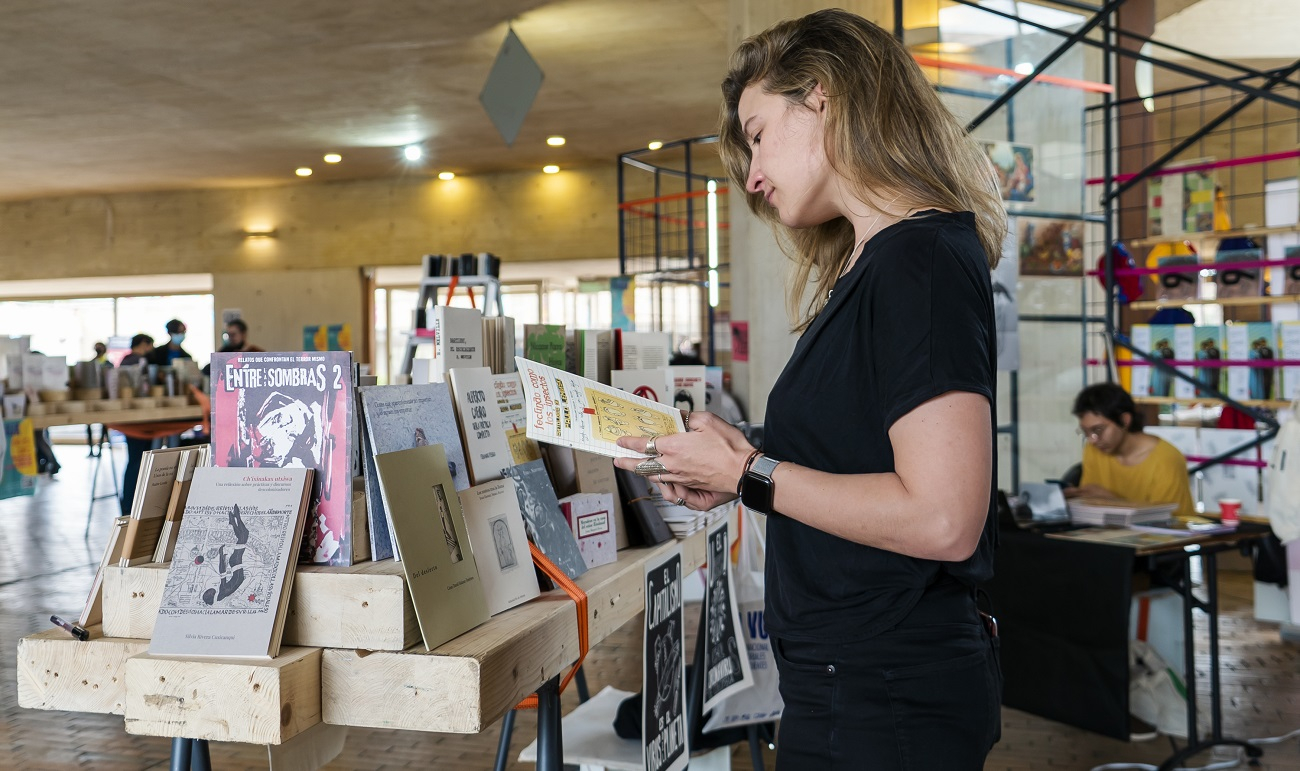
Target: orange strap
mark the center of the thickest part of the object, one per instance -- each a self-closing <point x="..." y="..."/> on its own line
<point x="580" y="597"/>
<point x="451" y="290"/>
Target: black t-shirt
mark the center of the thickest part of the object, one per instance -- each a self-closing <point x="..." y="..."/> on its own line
<point x="911" y="321"/>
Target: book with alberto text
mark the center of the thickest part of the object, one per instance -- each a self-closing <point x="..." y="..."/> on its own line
<point x="228" y="585"/>
<point x="292" y="410"/>
<point x="486" y="447"/>
<point x="441" y="571"/>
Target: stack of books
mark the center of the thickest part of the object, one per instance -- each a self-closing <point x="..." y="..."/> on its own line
<point x="1109" y="511"/>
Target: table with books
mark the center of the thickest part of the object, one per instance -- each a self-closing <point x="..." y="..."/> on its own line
<point x="1063" y="600"/>
<point x="352" y="656"/>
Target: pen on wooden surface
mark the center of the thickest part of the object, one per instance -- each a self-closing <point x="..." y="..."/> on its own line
<point x="72" y="629"/>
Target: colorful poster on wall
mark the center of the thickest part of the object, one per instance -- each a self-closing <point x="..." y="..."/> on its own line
<point x="740" y="341"/>
<point x="1014" y="165"/>
<point x="622" y="302"/>
<point x="1198" y="201"/>
<point x="327" y="337"/>
<point x="1049" y="247"/>
<point x="18" y="467"/>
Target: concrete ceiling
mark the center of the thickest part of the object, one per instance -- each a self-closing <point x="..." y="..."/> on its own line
<point x="161" y="95"/>
<point x="156" y="94"/>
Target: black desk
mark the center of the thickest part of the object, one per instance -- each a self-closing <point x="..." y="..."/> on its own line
<point x="1063" y="611"/>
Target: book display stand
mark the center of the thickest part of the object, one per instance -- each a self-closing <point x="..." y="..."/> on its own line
<point x="352" y="656"/>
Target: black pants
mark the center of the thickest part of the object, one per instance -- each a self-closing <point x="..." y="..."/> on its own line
<point x="924" y="696"/>
<point x="135" y="450"/>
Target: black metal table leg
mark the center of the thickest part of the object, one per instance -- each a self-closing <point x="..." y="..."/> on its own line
<point x="755" y="747"/>
<point x="503" y="744"/>
<point x="181" y="754"/>
<point x="1216" y="738"/>
<point x="550" y="736"/>
<point x="200" y="759"/>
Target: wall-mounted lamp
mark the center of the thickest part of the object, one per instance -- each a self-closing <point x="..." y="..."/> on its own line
<point x="258" y="232"/>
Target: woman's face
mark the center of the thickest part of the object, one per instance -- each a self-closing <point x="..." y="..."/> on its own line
<point x="787" y="156"/>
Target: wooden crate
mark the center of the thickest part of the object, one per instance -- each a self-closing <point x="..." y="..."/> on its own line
<point x="57" y="672"/>
<point x="470" y="682"/>
<point x="229" y="700"/>
<point x="364" y="606"/>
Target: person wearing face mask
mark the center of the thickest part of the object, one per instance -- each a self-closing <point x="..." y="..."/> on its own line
<point x="1119" y="460"/>
<point x="164" y="355"/>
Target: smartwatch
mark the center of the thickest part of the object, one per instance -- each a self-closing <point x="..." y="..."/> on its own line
<point x="757" y="490"/>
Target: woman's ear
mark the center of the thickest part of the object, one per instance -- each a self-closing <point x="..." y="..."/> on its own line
<point x="817" y="98"/>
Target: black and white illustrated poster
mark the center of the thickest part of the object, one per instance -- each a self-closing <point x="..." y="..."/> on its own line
<point x="663" y="671"/>
<point x="726" y="665"/>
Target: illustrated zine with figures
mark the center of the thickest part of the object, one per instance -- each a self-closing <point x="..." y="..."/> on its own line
<point x="665" y="744"/>
<point x="292" y="410"/>
<point x="510" y="403"/>
<point x="437" y="558"/>
<point x="228" y="585"/>
<point x="500" y="546"/>
<point x="726" y="666"/>
<point x="543" y="519"/>
<point x="399" y="417"/>
<point x="577" y="412"/>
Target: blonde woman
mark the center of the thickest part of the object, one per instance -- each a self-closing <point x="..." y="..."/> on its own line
<point x="878" y="464"/>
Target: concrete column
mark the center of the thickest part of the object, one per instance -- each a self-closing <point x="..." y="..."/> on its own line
<point x="759" y="269"/>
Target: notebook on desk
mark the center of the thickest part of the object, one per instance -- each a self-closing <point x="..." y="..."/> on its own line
<point x="1112" y="511"/>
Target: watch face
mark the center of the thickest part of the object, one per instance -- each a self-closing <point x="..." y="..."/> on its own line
<point x="756" y="493"/>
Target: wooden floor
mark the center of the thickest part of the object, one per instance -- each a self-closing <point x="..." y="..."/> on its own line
<point x="46" y="567"/>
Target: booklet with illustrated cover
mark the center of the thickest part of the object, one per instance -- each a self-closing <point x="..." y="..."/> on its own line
<point x="292" y="410"/>
<point x="543" y="519"/>
<point x="229" y="581"/>
<point x="514" y="418"/>
<point x="577" y="412"/>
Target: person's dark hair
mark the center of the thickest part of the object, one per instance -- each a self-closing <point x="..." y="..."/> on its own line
<point x="141" y="338"/>
<point x="175" y="326"/>
<point x="238" y="324"/>
<point x="1109" y="401"/>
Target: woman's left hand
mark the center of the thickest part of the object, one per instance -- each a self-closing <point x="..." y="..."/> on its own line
<point x="707" y="459"/>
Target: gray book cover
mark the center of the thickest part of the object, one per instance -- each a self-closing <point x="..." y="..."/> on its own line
<point x="543" y="519"/>
<point x="400" y="417"/>
<point x="232" y="571"/>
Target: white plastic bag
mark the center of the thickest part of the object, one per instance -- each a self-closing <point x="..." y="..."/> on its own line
<point x="761" y="702"/>
<point x="1282" y="480"/>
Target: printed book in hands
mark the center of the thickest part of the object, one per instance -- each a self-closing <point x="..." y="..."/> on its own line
<point x="577" y="412"/>
<point x="228" y="585"/>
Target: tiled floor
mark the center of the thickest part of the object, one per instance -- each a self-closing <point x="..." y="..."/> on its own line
<point x="46" y="567"/>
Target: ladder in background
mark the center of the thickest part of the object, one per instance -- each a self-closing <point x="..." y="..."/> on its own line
<point x="429" y="297"/>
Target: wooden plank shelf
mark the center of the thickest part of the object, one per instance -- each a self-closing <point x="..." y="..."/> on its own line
<point x="56" y="671"/>
<point x="472" y="681"/>
<point x="363" y="606"/>
<point x="1271" y="299"/>
<point x="1205" y="235"/>
<point x="1272" y="404"/>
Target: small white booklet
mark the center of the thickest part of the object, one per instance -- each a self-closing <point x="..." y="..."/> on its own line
<point x="577" y="412"/>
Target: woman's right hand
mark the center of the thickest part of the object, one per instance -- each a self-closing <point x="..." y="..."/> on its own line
<point x="710" y="457"/>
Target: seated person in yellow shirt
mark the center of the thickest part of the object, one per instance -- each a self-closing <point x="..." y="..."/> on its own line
<point x="1119" y="461"/>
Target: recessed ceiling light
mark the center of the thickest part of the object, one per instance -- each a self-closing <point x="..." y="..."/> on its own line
<point x="655" y="145"/>
<point x="333" y="158"/>
<point x="446" y="175"/>
<point x="303" y="172"/>
<point x="1025" y="68"/>
<point x="552" y="169"/>
<point x="555" y="141"/>
<point x="413" y="152"/>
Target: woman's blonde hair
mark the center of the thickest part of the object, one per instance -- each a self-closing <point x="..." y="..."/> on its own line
<point x="885" y="130"/>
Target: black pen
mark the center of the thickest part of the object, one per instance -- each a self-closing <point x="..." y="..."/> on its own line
<point x="72" y="629"/>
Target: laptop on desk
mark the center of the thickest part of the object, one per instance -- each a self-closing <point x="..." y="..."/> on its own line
<point x="1040" y="504"/>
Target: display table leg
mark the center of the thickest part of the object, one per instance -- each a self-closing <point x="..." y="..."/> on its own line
<point x="182" y="752"/>
<point x="200" y="760"/>
<point x="503" y="744"/>
<point x="550" y="737"/>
